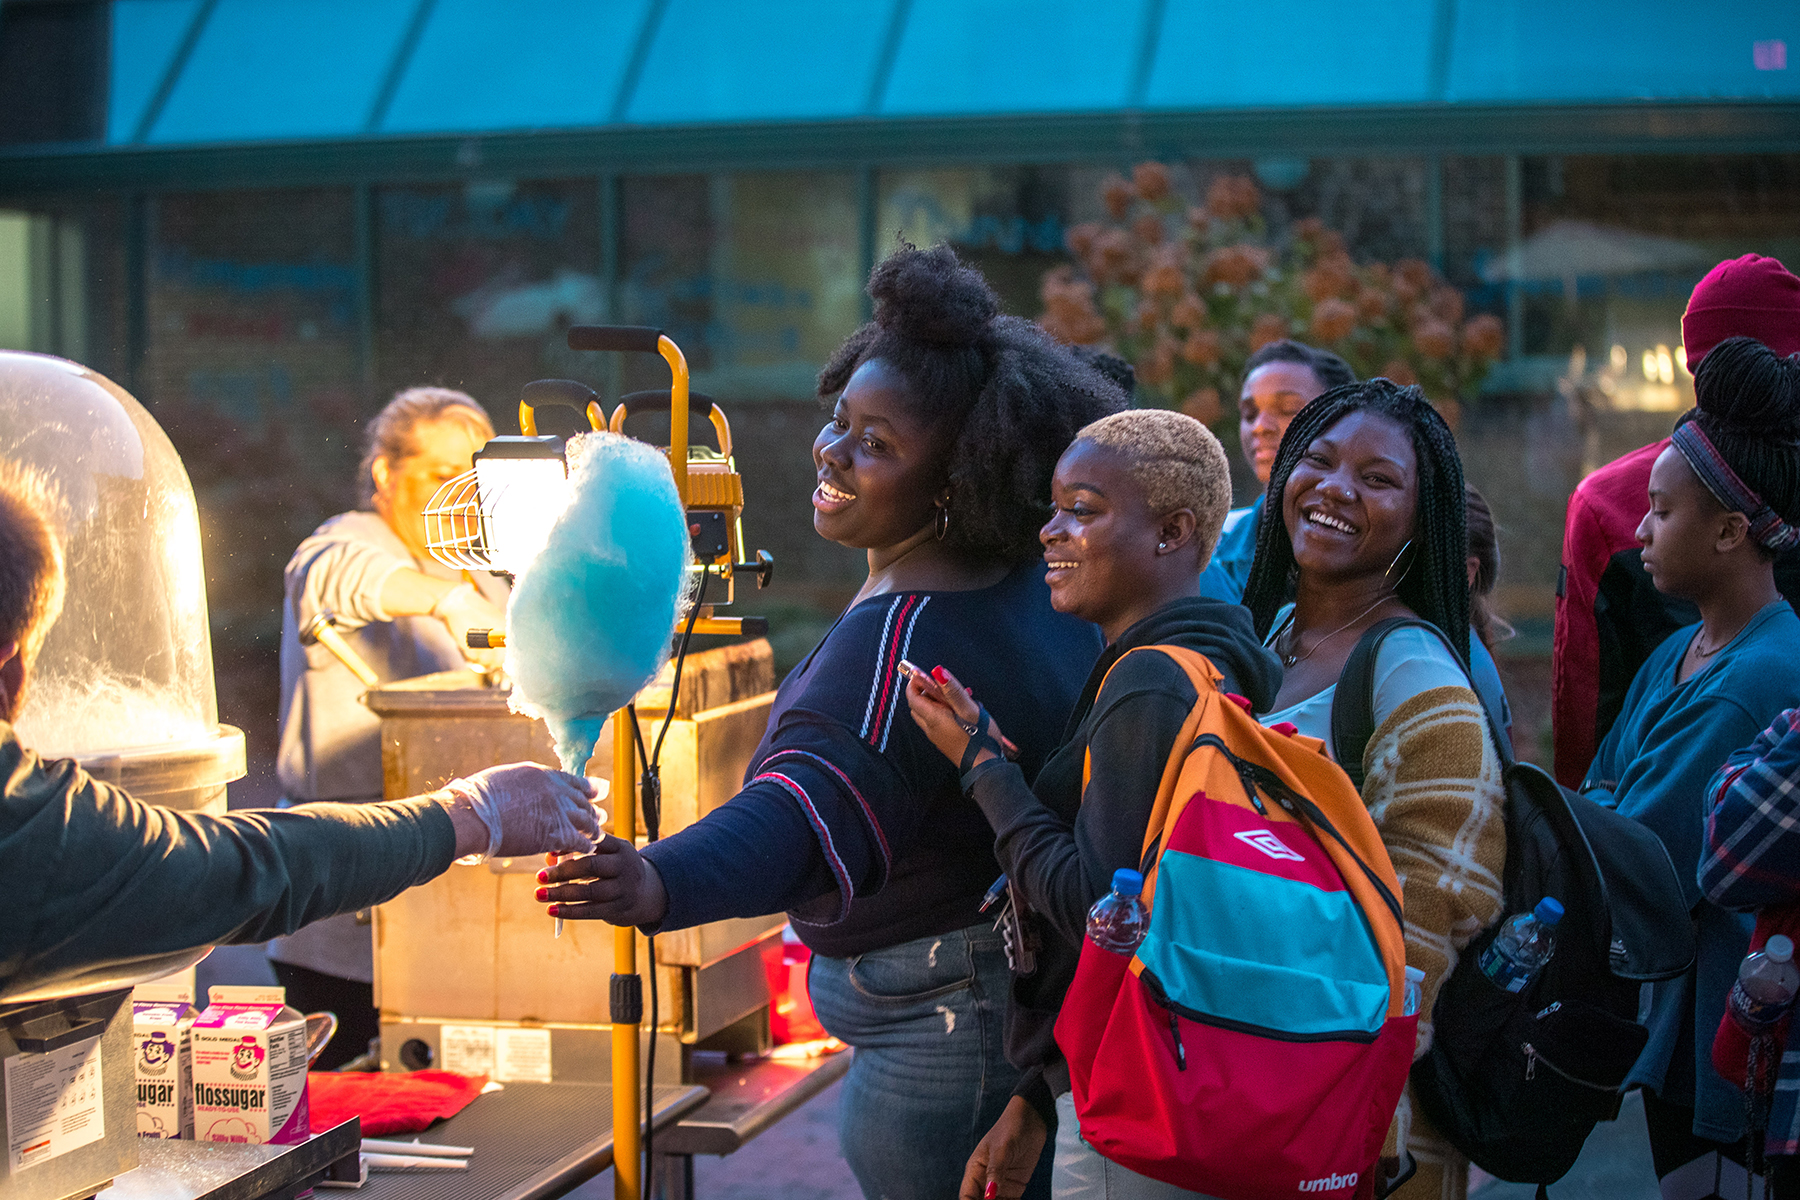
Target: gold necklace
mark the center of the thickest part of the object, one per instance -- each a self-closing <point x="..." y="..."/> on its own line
<point x="1291" y="660"/>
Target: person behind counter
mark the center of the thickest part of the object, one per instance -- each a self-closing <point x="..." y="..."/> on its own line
<point x="96" y="879"/>
<point x="1724" y="504"/>
<point x="1280" y="379"/>
<point x="1373" y="525"/>
<point x="1139" y="500"/>
<point x="405" y="613"/>
<point x="936" y="461"/>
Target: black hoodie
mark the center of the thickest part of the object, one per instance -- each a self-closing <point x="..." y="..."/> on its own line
<point x="1060" y="847"/>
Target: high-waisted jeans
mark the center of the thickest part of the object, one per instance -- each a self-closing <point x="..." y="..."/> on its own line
<point x="930" y="1076"/>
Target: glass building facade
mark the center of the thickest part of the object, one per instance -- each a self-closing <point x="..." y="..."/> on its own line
<point x="263" y="252"/>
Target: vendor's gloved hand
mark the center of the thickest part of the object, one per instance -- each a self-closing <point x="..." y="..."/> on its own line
<point x="531" y="809"/>
<point x="463" y="608"/>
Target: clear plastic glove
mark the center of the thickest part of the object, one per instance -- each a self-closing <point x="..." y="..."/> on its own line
<point x="529" y="808"/>
<point x="461" y="609"/>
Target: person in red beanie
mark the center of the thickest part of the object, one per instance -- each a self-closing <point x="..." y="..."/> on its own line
<point x="1609" y="616"/>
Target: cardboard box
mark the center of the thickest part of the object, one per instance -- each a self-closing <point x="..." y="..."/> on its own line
<point x="162" y="1022"/>
<point x="250" y="1068"/>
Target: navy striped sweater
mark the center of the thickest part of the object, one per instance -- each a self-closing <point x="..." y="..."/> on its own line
<point x="850" y="820"/>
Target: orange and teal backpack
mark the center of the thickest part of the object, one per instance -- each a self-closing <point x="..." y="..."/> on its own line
<point x="1254" y="1046"/>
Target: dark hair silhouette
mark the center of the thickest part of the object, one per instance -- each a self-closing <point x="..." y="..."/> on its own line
<point x="1330" y="370"/>
<point x="1748" y="404"/>
<point x="1005" y="397"/>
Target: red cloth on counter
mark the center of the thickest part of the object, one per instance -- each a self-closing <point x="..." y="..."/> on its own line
<point x="387" y="1103"/>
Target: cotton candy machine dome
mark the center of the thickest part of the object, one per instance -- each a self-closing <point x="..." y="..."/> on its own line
<point x="125" y="680"/>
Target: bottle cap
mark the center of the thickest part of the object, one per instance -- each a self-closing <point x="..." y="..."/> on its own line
<point x="1127" y="882"/>
<point x="1779" y="947"/>
<point x="1414" y="975"/>
<point x="1548" y="911"/>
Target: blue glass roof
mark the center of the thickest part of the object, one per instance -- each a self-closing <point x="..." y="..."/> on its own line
<point x="282" y="69"/>
<point x="193" y="72"/>
<point x="718" y="60"/>
<point x="959" y="57"/>
<point x="525" y="64"/>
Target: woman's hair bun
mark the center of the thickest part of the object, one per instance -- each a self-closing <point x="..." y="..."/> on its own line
<point x="1742" y="387"/>
<point x="929" y="296"/>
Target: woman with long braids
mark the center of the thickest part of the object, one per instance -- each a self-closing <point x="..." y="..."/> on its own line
<point x="1724" y="502"/>
<point x="946" y="424"/>
<point x="1369" y="488"/>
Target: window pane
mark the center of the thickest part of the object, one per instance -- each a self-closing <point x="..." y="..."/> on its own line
<point x="479" y="284"/>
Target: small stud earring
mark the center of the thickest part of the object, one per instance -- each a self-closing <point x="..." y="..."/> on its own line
<point x="1162" y="545"/>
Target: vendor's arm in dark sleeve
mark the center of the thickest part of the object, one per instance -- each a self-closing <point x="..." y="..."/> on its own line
<point x="94" y="876"/>
<point x="1063" y="869"/>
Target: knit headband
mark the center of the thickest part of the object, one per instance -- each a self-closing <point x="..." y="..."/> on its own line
<point x="1766" y="528"/>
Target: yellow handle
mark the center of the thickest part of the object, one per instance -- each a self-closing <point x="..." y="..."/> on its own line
<point x="678" y="413"/>
<point x="528" y="417"/>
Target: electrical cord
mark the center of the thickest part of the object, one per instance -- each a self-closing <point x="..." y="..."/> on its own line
<point x="650" y="791"/>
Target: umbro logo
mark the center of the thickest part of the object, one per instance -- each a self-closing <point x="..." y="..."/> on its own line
<point x="1266" y="841"/>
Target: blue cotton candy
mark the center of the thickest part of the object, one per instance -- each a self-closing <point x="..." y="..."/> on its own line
<point x="591" y="617"/>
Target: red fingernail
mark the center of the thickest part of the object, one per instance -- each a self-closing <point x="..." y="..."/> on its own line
<point x="993" y="1190"/>
<point x="555" y="910"/>
<point x="543" y="877"/>
<point x="941" y="675"/>
<point x="543" y="894"/>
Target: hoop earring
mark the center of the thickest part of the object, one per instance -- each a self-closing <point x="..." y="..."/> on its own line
<point x="1396" y="562"/>
<point x="942" y="521"/>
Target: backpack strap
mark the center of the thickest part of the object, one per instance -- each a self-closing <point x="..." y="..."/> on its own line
<point x="1353" y="706"/>
<point x="1205" y="677"/>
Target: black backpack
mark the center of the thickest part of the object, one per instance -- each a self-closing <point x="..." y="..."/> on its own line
<point x="1518" y="1081"/>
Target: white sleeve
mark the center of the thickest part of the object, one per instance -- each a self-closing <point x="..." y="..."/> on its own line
<point x="1413" y="661"/>
<point x="337" y="570"/>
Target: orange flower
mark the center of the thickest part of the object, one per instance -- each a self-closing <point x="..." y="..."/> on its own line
<point x="1188" y="312"/>
<point x="1234" y="265"/>
<point x="1333" y="320"/>
<point x="1149" y="228"/>
<point x="1435" y="340"/>
<point x="1201" y="348"/>
<point x="1484" y="336"/>
<point x="1164" y="279"/>
<point x="1400" y="372"/>
<point x="1308" y="229"/>
<point x="1371" y="304"/>
<point x="1331" y="242"/>
<point x="1268" y="328"/>
<point x="1233" y="198"/>
<point x="1203" y="405"/>
<point x="1157" y="368"/>
<point x="1379" y="273"/>
<point x="1199" y="219"/>
<point x="1069" y="312"/>
<point x="1416" y="272"/>
<point x="1151" y="179"/>
<point x="1333" y="276"/>
<point x="1114" y="257"/>
<point x="1405" y="290"/>
<point x="1147" y="317"/>
<point x="1118" y="194"/>
<point x="1080" y="238"/>
<point x="1447" y="304"/>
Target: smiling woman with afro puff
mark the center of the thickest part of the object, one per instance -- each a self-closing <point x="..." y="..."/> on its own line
<point x="947" y="418"/>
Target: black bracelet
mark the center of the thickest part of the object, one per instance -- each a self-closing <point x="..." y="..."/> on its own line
<point x="973" y="775"/>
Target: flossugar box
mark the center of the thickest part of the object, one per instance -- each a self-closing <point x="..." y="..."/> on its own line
<point x="250" y="1068"/>
<point x="162" y="1019"/>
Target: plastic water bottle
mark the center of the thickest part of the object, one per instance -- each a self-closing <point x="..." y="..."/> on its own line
<point x="1766" y="985"/>
<point x="1522" y="947"/>
<point x="1119" y="920"/>
<point x="1414" y="994"/>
